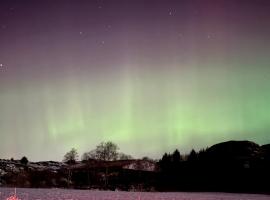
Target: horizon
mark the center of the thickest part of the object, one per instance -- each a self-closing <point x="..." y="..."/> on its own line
<point x="151" y="76"/>
<point x="137" y="158"/>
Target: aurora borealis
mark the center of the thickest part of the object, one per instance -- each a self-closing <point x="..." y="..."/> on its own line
<point x="151" y="76"/>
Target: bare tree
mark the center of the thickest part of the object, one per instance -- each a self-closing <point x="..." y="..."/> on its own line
<point x="71" y="156"/>
<point x="107" y="151"/>
<point x="122" y="156"/>
<point x="89" y="155"/>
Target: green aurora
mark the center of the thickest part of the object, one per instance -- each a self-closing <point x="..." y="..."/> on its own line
<point x="144" y="113"/>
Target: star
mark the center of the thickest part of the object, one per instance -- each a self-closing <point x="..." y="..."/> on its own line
<point x="80" y="32"/>
<point x="103" y="42"/>
<point x="2" y="67"/>
<point x="171" y="12"/>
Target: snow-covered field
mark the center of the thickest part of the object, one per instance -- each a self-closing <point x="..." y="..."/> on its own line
<point x="60" y="194"/>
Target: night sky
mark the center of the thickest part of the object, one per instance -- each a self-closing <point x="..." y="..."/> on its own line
<point x="148" y="75"/>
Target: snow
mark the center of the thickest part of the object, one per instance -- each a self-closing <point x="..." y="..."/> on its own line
<point x="2" y="172"/>
<point x="63" y="194"/>
<point x="141" y="165"/>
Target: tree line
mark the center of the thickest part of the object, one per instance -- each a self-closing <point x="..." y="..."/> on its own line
<point x="233" y="166"/>
<point x="105" y="151"/>
<point x="109" y="151"/>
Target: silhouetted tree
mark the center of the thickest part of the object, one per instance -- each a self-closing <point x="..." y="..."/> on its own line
<point x="122" y="156"/>
<point x="147" y="158"/>
<point x="192" y="156"/>
<point x="165" y="158"/>
<point x="176" y="157"/>
<point x="202" y="155"/>
<point x="71" y="156"/>
<point x="106" y="151"/>
<point x="89" y="155"/>
<point x="165" y="162"/>
<point x="24" y="160"/>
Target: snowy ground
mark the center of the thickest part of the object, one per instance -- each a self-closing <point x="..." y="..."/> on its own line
<point x="60" y="194"/>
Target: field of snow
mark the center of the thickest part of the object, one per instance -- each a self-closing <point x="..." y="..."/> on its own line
<point x="61" y="194"/>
